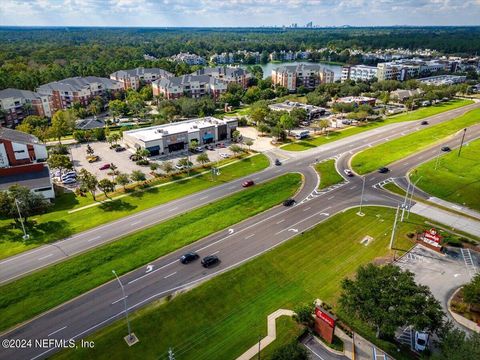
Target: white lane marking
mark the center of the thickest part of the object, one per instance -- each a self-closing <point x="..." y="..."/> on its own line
<point x="313" y="352"/>
<point x="249" y="236"/>
<point x="279" y="222"/>
<point x="232" y="187"/>
<point x="353" y="187"/>
<point x="203" y="198"/>
<point x="136" y="223"/>
<point x="405" y="163"/>
<point x="173" y="209"/>
<point x="93" y="239"/>
<point x="308" y="208"/>
<point x="277" y="171"/>
<point x="373" y="178"/>
<point x="331" y="197"/>
<point x="56" y="331"/>
<point x="166" y="277"/>
<point x="44" y="257"/>
<point x="151" y="272"/>
<point x="257" y="178"/>
<point x="116" y="301"/>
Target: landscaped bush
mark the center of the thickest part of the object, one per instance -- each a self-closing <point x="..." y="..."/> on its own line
<point x="143" y="162"/>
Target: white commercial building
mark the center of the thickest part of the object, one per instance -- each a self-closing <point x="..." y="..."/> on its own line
<point x="169" y="138"/>
<point x="359" y="72"/>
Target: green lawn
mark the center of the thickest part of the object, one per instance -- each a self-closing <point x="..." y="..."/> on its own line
<point x="328" y="174"/>
<point x="386" y="153"/>
<point x="59" y="223"/>
<point x="201" y="326"/>
<point x="410" y="116"/>
<point x="456" y="179"/>
<point x="288" y="330"/>
<point x="44" y="289"/>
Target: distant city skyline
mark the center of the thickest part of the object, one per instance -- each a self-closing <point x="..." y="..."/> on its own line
<point x="238" y="13"/>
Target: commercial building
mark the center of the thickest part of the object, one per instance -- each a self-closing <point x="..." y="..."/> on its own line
<point x="170" y="138"/>
<point x="402" y="95"/>
<point x="307" y="75"/>
<point x="190" y="59"/>
<point x="357" y="100"/>
<point x="18" y="104"/>
<point x="313" y="112"/>
<point x="359" y="73"/>
<point x="193" y="86"/>
<point x="134" y="78"/>
<point x="22" y="162"/>
<point x="82" y="90"/>
<point x="443" y="80"/>
<point x="227" y="74"/>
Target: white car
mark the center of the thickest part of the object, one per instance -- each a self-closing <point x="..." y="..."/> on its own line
<point x="224" y="155"/>
<point x="421" y="340"/>
<point x="70" y="180"/>
<point x="68" y="175"/>
<point x="179" y="167"/>
<point x="348" y="172"/>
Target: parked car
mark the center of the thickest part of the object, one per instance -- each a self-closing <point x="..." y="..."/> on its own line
<point x="179" y="167"/>
<point x="188" y="257"/>
<point x="92" y="158"/>
<point x="421" y="340"/>
<point x="221" y="145"/>
<point x="446" y="148"/>
<point x="424" y="122"/>
<point x="348" y="172"/>
<point x="70" y="180"/>
<point x="209" y="261"/>
<point x="134" y="157"/>
<point x="105" y="167"/>
<point x="248" y="183"/>
<point x="209" y="147"/>
<point x="305" y="123"/>
<point x="224" y="155"/>
<point x="120" y="149"/>
<point x="383" y="170"/>
<point x="198" y="149"/>
<point x="278" y="162"/>
<point x="289" y="202"/>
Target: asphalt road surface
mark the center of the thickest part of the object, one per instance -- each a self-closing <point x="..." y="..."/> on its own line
<point x="103" y="305"/>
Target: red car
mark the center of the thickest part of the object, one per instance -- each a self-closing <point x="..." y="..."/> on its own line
<point x="248" y="183"/>
<point x="105" y="167"/>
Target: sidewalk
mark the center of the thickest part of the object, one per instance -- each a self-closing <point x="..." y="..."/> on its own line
<point x="455" y="221"/>
<point x="455" y="207"/>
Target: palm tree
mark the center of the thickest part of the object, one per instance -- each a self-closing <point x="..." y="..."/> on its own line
<point x="167" y="167"/>
<point x="203" y="158"/>
<point x="249" y="143"/>
<point x="123" y="179"/>
<point x="113" y="171"/>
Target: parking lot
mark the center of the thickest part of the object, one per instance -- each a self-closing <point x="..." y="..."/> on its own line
<point x="123" y="162"/>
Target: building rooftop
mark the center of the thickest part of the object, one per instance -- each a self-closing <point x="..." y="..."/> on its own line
<point x="17" y="136"/>
<point x="79" y="83"/>
<point x="299" y="67"/>
<point x="32" y="180"/>
<point x="222" y="70"/>
<point x="290" y="105"/>
<point x="140" y="71"/>
<point x="18" y="93"/>
<point x="188" y="79"/>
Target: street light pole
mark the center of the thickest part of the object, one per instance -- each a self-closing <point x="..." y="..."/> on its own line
<point x="125" y="303"/>
<point x="405" y="199"/>
<point x="461" y="144"/>
<point x="411" y="196"/>
<point x="392" y="237"/>
<point x="25" y="235"/>
<point x="360" y="213"/>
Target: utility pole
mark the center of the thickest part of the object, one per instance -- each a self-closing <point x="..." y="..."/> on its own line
<point x="461" y="144"/>
<point x="130" y="335"/>
<point x="25" y="235"/>
<point x="394" y="227"/>
<point x="360" y="213"/>
<point x="411" y="196"/>
<point x="405" y="199"/>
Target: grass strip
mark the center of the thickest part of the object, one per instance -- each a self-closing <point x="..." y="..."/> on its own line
<point x="328" y="174"/>
<point x="42" y="290"/>
<point x="409" y="116"/>
<point x="59" y="223"/>
<point x="226" y="315"/>
<point x="386" y="153"/>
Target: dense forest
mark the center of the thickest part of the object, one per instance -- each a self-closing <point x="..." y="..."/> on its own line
<point x="33" y="56"/>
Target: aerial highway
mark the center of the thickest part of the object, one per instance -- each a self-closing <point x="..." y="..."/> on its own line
<point x="252" y="237"/>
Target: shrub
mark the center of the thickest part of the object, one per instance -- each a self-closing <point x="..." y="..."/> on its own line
<point x="143" y="162"/>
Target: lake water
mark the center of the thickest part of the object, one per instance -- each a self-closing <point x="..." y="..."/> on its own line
<point x="267" y="68"/>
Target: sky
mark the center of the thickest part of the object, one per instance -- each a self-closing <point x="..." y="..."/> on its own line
<point x="232" y="13"/>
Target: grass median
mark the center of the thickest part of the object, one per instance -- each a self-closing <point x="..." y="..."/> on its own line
<point x="328" y="174"/>
<point x="42" y="290"/>
<point x="455" y="179"/>
<point x="223" y="317"/>
<point x="391" y="151"/>
<point x="59" y="223"/>
<point x="409" y="116"/>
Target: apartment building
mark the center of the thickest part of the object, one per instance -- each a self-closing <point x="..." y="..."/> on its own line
<point x="411" y="68"/>
<point x="193" y="86"/>
<point x="190" y="59"/>
<point x="66" y="92"/>
<point x="359" y="73"/>
<point x="170" y="138"/>
<point x="22" y="162"/>
<point x="443" y="80"/>
<point x="18" y="104"/>
<point x="227" y="74"/>
<point x="134" y="78"/>
<point x="307" y="75"/>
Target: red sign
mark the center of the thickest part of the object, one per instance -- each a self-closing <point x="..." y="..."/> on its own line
<point x="321" y="315"/>
<point x="432" y="235"/>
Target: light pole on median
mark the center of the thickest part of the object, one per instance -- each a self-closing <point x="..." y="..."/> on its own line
<point x="392" y="237"/>
<point x="360" y="213"/>
<point x="405" y="200"/>
<point x="25" y="235"/>
<point x="411" y="196"/>
<point x="131" y="339"/>
<point x="461" y="144"/>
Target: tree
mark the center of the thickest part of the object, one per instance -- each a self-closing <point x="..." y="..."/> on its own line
<point x="28" y="202"/>
<point x="106" y="186"/>
<point x="90" y="150"/>
<point x="142" y="153"/>
<point x="117" y="108"/>
<point x="235" y="149"/>
<point x="385" y="297"/>
<point x="249" y="143"/>
<point x="113" y="171"/>
<point x="167" y="167"/>
<point x="263" y="128"/>
<point x="63" y="123"/>
<point x="137" y="175"/>
<point x="298" y="115"/>
<point x="293" y="351"/>
<point x="88" y="182"/>
<point x="287" y="122"/>
<point x="123" y="179"/>
<point x="304" y="314"/>
<point x="154" y="167"/>
<point x="185" y="162"/>
<point x="323" y="124"/>
<point x="236" y="135"/>
<point x="59" y="162"/>
<point x="456" y="345"/>
<point x="471" y="291"/>
<point x="203" y="158"/>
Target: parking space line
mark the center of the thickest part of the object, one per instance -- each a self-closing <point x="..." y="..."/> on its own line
<point x="56" y="331"/>
<point x="44" y="257"/>
<point x="116" y="301"/>
<point x="249" y="236"/>
<point x="279" y="222"/>
<point x="173" y="209"/>
<point x="166" y="277"/>
<point x="94" y="238"/>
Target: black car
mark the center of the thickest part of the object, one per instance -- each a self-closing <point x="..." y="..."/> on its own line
<point x="288" y="202"/>
<point x="446" y="148"/>
<point x="120" y="149"/>
<point x="383" y="170"/>
<point x="210" y="260"/>
<point x="424" y="122"/>
<point x="189" y="257"/>
<point x="278" y="162"/>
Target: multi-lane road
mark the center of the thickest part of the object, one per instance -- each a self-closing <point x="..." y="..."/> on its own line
<point x="164" y="276"/>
